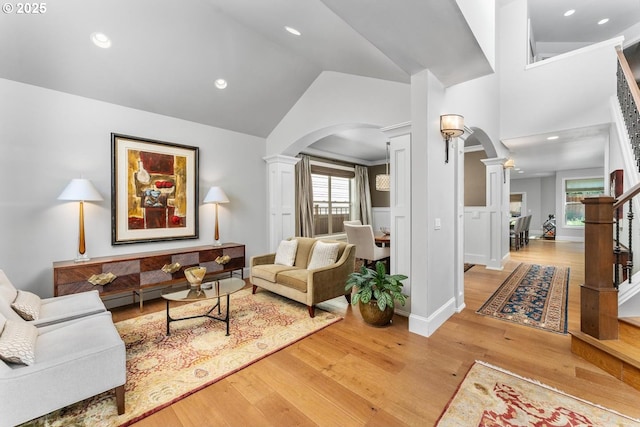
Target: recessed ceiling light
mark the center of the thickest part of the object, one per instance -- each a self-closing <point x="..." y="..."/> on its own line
<point x="569" y="12"/>
<point x="551" y="138"/>
<point x="221" y="83"/>
<point x="603" y="21"/>
<point x="520" y="171"/>
<point x="101" y="40"/>
<point x="292" y="31"/>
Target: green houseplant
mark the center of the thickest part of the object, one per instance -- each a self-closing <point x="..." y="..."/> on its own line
<point x="376" y="293"/>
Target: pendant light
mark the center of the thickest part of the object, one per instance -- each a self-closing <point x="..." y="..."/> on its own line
<point x="383" y="181"/>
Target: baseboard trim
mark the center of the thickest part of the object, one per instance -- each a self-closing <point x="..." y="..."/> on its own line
<point x="426" y="326"/>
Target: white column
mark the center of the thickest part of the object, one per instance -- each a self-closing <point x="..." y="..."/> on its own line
<point x="281" y="197"/>
<point x="498" y="205"/>
<point x="400" y="205"/>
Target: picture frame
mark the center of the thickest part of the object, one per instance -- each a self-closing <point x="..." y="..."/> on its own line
<point x="154" y="188"/>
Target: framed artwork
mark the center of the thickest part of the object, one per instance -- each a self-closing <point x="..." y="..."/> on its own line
<point x="154" y="189"/>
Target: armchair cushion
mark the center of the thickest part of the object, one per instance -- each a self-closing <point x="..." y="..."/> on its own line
<point x="18" y="343"/>
<point x="296" y="279"/>
<point x="323" y="254"/>
<point x="27" y="305"/>
<point x="269" y="271"/>
<point x="286" y="252"/>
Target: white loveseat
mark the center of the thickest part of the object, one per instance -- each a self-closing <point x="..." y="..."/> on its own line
<point x="47" y="365"/>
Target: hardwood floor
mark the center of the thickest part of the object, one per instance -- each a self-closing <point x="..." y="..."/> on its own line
<point x="351" y="374"/>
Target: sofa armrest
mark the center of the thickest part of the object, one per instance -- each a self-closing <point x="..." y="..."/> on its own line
<point x="329" y="282"/>
<point x="262" y="259"/>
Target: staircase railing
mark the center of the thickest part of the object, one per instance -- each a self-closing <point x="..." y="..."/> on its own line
<point x="599" y="293"/>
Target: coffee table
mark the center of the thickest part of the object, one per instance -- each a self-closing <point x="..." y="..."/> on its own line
<point x="219" y="288"/>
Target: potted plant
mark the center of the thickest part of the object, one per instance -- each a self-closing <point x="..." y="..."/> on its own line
<point x="376" y="293"/>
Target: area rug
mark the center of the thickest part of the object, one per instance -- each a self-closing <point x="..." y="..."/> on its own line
<point x="164" y="369"/>
<point x="492" y="396"/>
<point x="533" y="295"/>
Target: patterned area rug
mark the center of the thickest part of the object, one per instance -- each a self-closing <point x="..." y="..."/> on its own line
<point x="491" y="396"/>
<point x="164" y="369"/>
<point x="533" y="295"/>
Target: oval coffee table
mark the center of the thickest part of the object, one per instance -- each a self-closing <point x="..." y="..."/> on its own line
<point x="219" y="288"/>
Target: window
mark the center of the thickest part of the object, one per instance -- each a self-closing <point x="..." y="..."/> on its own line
<point x="575" y="191"/>
<point x="331" y="198"/>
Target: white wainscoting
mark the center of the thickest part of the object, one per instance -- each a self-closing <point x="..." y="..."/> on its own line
<point x="476" y="235"/>
<point x="381" y="218"/>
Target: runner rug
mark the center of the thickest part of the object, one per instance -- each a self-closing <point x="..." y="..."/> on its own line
<point x="490" y="396"/>
<point x="164" y="369"/>
<point x="533" y="295"/>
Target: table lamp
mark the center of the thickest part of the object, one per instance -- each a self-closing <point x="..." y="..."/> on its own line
<point x="81" y="190"/>
<point x="216" y="195"/>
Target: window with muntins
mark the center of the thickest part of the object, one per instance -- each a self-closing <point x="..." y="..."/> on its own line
<point x="575" y="190"/>
<point x="331" y="199"/>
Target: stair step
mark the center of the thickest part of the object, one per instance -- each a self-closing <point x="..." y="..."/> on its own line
<point x="629" y="330"/>
<point x="616" y="357"/>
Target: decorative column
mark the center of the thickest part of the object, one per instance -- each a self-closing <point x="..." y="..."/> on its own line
<point x="281" y="197"/>
<point x="498" y="205"/>
<point x="598" y="297"/>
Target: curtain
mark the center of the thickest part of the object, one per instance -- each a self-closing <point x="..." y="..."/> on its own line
<point x="362" y="196"/>
<point x="304" y="198"/>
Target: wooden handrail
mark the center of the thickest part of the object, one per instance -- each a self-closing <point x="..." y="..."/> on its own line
<point x="626" y="196"/>
<point x="628" y="75"/>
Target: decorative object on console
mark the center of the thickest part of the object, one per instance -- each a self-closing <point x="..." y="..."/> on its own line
<point x="171" y="268"/>
<point x="451" y="126"/>
<point x="155" y="190"/>
<point x="216" y="195"/>
<point x="194" y="276"/>
<point x="102" y="279"/>
<point x="383" y="181"/>
<point x="376" y="293"/>
<point x="222" y="260"/>
<point x="81" y="190"/>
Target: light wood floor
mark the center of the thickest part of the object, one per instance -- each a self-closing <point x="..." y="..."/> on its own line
<point x="351" y="374"/>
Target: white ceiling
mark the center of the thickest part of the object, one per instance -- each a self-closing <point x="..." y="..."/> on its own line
<point x="166" y="54"/>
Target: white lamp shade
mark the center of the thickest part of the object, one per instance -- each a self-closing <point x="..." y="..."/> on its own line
<point x="216" y="195"/>
<point x="383" y="182"/>
<point x="452" y="124"/>
<point x="80" y="189"/>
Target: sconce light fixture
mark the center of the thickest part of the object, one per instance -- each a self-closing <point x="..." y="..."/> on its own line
<point x="216" y="195"/>
<point x="509" y="164"/>
<point x="81" y="190"/>
<point x="451" y="126"/>
<point x="383" y="180"/>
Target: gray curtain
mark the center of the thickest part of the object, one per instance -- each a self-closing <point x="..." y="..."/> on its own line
<point x="362" y="196"/>
<point x="304" y="198"/>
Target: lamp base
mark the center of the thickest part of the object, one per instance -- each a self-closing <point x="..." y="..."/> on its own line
<point x="217" y="243"/>
<point x="82" y="258"/>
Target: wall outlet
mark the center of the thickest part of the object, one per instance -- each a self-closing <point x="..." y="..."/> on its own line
<point x="438" y="224"/>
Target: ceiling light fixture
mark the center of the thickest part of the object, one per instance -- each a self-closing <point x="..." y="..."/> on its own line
<point x="569" y="12"/>
<point x="292" y="30"/>
<point x="603" y="21"/>
<point x="551" y="138"/>
<point x="221" y="83"/>
<point x="101" y="40"/>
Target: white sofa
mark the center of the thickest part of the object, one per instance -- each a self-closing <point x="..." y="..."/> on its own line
<point x="71" y="352"/>
<point x="52" y="310"/>
<point x="74" y="360"/>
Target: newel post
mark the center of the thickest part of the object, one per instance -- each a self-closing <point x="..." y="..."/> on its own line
<point x="598" y="297"/>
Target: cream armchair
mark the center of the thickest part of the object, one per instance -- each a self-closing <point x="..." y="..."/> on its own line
<point x="307" y="286"/>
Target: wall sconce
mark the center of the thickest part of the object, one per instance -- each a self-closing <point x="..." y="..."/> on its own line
<point x="509" y="164"/>
<point x="383" y="180"/>
<point x="216" y="195"/>
<point x="81" y="190"/>
<point x="451" y="125"/>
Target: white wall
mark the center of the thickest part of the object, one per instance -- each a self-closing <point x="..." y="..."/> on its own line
<point x="48" y="138"/>
<point x="547" y="197"/>
<point x="337" y="101"/>
<point x="548" y="92"/>
<point x="481" y="16"/>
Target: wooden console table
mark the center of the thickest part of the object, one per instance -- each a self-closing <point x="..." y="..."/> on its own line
<point x="137" y="272"/>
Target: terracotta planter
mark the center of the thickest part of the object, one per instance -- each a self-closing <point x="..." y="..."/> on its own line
<point x="372" y="314"/>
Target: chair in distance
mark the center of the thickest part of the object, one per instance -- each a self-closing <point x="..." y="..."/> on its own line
<point x="366" y="249"/>
<point x="516" y="233"/>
